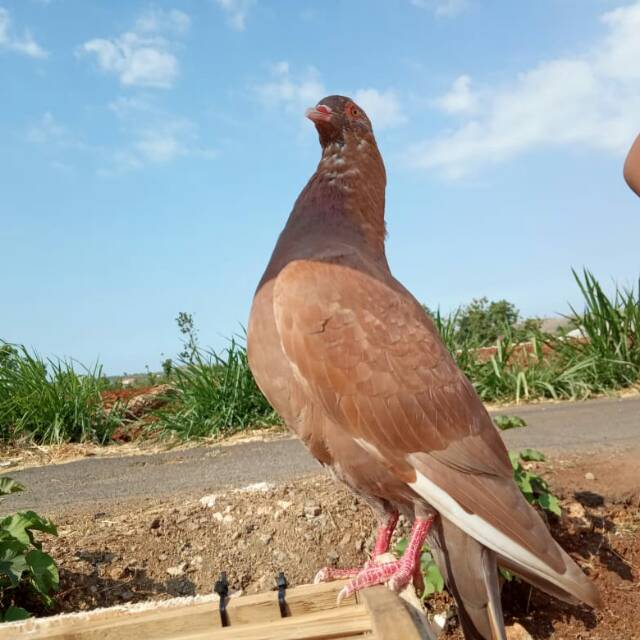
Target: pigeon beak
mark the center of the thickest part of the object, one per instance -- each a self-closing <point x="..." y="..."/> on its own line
<point x="319" y="114"/>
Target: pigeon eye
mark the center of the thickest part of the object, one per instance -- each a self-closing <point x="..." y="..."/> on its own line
<point x="354" y="112"/>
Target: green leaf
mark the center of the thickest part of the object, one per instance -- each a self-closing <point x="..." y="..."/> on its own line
<point x="540" y="485"/>
<point x="515" y="460"/>
<point x="9" y="485"/>
<point x="44" y="573"/>
<point x="16" y="613"/>
<point x="509" y="422"/>
<point x="550" y="503"/>
<point x="532" y="455"/>
<point x="400" y="546"/>
<point x="20" y="525"/>
<point x="433" y="580"/>
<point x="506" y="574"/>
<point x="523" y="480"/>
<point x="426" y="559"/>
<point x="12" y="560"/>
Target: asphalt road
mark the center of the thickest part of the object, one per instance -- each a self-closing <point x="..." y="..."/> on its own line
<point x="565" y="428"/>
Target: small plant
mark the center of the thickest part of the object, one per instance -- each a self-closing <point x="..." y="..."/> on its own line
<point x="26" y="572"/>
<point x="509" y="422"/>
<point x="534" y="488"/>
<point x="167" y="368"/>
<point x="431" y="576"/>
<point x="188" y="329"/>
<point x="152" y="378"/>
<point x="217" y="392"/>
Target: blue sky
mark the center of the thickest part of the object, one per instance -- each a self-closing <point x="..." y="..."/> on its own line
<point x="151" y="152"/>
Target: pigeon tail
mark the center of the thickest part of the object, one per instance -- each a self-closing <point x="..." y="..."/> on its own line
<point x="471" y="574"/>
<point x="562" y="579"/>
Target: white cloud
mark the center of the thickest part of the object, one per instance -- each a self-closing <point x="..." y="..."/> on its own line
<point x="60" y="145"/>
<point x="236" y="11"/>
<point x="591" y="99"/>
<point x="157" y="138"/>
<point x="460" y="98"/>
<point x="382" y="107"/>
<point x="142" y="57"/>
<point x="159" y="20"/>
<point x="46" y="130"/>
<point x="293" y="94"/>
<point x="25" y="44"/>
<point x="165" y="141"/>
<point x="442" y="8"/>
<point x="296" y="94"/>
<point x="135" y="60"/>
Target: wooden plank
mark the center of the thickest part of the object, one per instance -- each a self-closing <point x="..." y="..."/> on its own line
<point x="340" y="622"/>
<point x="164" y="621"/>
<point x="390" y="616"/>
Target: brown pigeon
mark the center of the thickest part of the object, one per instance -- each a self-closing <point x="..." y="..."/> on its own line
<point x="356" y="368"/>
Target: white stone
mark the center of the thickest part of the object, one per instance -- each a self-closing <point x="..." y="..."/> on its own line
<point x="209" y="501"/>
<point x="257" y="486"/>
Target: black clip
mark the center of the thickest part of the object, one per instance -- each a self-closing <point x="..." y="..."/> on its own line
<point x="221" y="587"/>
<point x="281" y="583"/>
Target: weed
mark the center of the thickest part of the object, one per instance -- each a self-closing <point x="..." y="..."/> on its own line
<point x="26" y="572"/>
<point x="433" y="580"/>
<point x="217" y="393"/>
<point x="509" y="422"/>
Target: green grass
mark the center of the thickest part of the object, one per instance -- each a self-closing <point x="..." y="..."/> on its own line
<point x="217" y="394"/>
<point x="605" y="359"/>
<point x="48" y="401"/>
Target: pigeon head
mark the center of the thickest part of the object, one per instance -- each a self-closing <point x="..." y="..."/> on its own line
<point x="337" y="118"/>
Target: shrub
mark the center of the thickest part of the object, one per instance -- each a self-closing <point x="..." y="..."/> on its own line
<point x="481" y="322"/>
<point x="26" y="572"/>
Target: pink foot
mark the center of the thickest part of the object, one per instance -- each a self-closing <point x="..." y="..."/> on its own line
<point x="383" y="540"/>
<point x="327" y="574"/>
<point x="396" y="574"/>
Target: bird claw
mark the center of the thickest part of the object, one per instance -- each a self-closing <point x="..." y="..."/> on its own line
<point x="396" y="574"/>
<point x="322" y="576"/>
<point x="342" y="594"/>
<point x="327" y="574"/>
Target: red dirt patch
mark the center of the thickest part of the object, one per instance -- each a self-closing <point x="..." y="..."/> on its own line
<point x="109" y="398"/>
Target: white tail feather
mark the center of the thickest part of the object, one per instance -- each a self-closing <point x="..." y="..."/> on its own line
<point x="484" y="532"/>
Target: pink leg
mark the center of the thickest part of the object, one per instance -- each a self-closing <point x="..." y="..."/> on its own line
<point x="398" y="573"/>
<point x="383" y="541"/>
<point x="383" y="535"/>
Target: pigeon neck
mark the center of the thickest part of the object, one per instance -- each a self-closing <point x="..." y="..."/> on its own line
<point x="349" y="184"/>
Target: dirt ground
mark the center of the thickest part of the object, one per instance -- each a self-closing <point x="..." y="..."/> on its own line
<point x="154" y="550"/>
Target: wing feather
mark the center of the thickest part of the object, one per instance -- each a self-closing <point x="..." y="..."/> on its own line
<point x="368" y="353"/>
